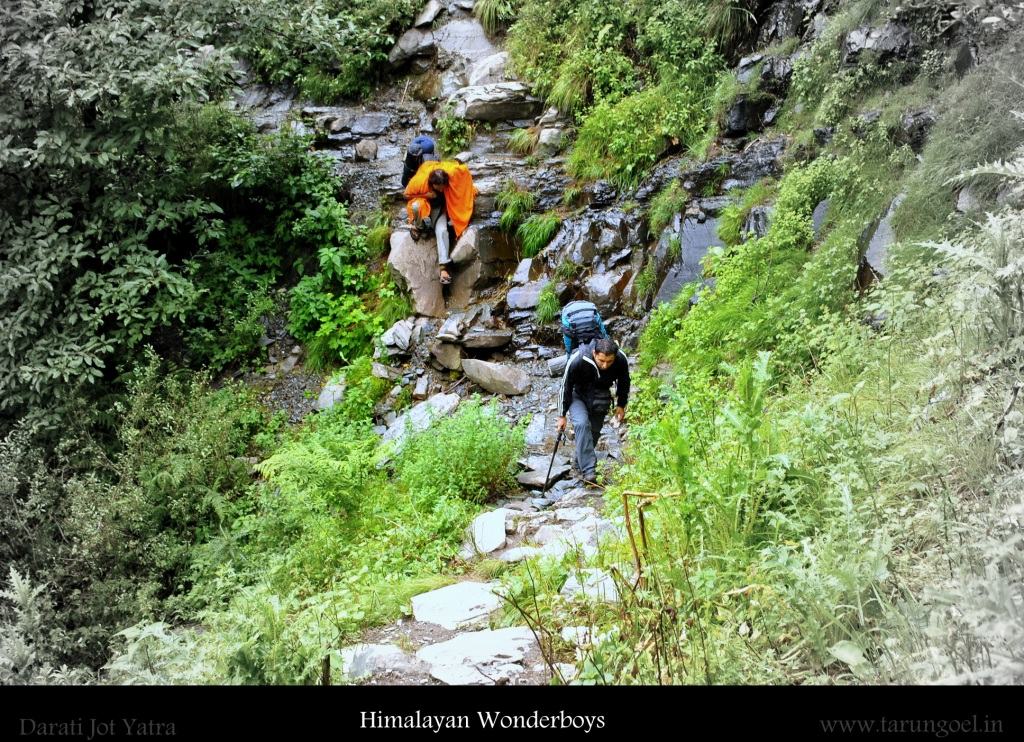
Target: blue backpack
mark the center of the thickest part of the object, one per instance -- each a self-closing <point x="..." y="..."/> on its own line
<point x="419" y="150"/>
<point x="581" y="323"/>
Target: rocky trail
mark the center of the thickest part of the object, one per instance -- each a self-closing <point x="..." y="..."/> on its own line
<point x="480" y="335"/>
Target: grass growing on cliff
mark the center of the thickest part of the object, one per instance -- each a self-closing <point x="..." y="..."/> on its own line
<point x="537" y="231"/>
<point x="515" y="203"/>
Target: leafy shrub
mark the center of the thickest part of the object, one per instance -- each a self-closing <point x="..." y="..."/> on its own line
<point x="454" y="134"/>
<point x="330" y="465"/>
<point x="470" y="455"/>
<point x="621" y="141"/>
<point x="328" y="48"/>
<point x="548" y="306"/>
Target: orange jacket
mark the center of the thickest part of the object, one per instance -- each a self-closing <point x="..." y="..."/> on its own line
<point x="458" y="194"/>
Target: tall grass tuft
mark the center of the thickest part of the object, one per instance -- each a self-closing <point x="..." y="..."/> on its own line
<point x="537" y="231"/>
<point x="515" y="203"/>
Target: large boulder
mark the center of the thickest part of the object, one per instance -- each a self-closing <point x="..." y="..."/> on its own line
<point x="414" y="267"/>
<point x="428" y="14"/>
<point x="526" y="297"/>
<point x="413" y="43"/>
<point x="605" y="289"/>
<point x="489" y="70"/>
<point x="497" y="378"/>
<point x="501" y="101"/>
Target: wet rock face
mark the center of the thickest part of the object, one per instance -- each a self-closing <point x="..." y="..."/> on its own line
<point x="761" y="159"/>
<point x="694" y="239"/>
<point x="784" y="19"/>
<point x="495" y="102"/>
<point x="889" y="42"/>
<point x="747" y="114"/>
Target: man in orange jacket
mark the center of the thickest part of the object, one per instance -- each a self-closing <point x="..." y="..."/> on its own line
<point x="446" y="191"/>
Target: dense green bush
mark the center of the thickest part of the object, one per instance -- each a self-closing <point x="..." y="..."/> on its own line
<point x="132" y="212"/>
<point x="621" y="141"/>
<point x="637" y="77"/>
<point x="470" y="455"/>
<point x="329" y="48"/>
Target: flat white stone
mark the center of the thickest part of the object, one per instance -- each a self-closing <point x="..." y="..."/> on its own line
<point x="456" y="606"/>
<point x="487" y="532"/>
<point x="549" y="534"/>
<point x="574" y="515"/>
<point x="365" y="660"/>
<point x="596" y="585"/>
<point x="520" y="553"/>
<point x="479" y="657"/>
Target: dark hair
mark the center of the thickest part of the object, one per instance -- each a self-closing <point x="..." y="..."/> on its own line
<point x="438" y="177"/>
<point x="605" y="347"/>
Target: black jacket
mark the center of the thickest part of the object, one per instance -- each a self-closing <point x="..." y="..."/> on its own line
<point x="585" y="381"/>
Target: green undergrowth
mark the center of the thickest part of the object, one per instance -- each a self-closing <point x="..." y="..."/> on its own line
<point x="334" y="541"/>
<point x="638" y="79"/>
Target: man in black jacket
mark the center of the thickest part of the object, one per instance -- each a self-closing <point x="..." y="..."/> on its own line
<point x="586" y="396"/>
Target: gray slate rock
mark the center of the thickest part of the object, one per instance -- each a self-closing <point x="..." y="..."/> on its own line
<point x="535" y="431"/>
<point x="420" y="417"/>
<point x="479" y="337"/>
<point x="368" y="660"/>
<point x="535" y="477"/>
<point x="330" y="395"/>
<point x="497" y="378"/>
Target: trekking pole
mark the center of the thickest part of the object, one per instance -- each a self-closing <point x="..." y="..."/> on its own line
<point x="548" y="475"/>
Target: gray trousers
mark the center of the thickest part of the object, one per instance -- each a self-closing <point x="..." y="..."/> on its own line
<point x="441" y="232"/>
<point x="587" y="428"/>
